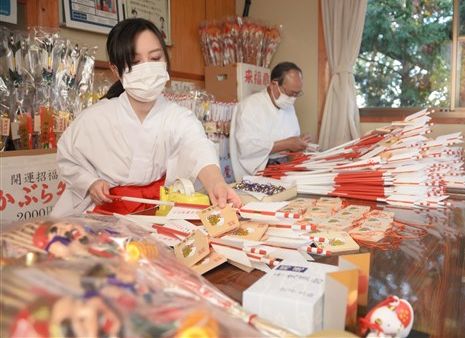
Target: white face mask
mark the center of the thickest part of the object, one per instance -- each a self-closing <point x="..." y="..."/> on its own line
<point x="146" y="81"/>
<point x="284" y="101"/>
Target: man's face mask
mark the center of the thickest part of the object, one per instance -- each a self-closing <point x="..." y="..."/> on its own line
<point x="284" y="101"/>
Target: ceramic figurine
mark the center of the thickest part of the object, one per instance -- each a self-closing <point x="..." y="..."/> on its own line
<point x="392" y="318"/>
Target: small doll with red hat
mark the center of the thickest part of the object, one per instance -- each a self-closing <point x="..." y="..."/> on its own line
<point x="391" y="318"/>
<point x="62" y="239"/>
<point x="67" y="317"/>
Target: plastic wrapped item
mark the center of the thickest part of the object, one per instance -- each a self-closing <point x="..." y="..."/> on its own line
<point x="100" y="86"/>
<point x="216" y="119"/>
<point x="4" y="35"/>
<point x="17" y="51"/>
<point x="22" y="124"/>
<point x="270" y="45"/>
<point x="85" y="95"/>
<point x="46" y="54"/>
<point x="231" y="29"/>
<point x="5" y="126"/>
<point x="5" y="119"/>
<point x="237" y="39"/>
<point x="45" y="81"/>
<point x="104" y="278"/>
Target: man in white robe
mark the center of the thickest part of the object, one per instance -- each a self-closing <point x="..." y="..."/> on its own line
<point x="170" y="141"/>
<point x="265" y="123"/>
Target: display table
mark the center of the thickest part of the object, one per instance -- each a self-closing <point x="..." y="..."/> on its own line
<point x="429" y="273"/>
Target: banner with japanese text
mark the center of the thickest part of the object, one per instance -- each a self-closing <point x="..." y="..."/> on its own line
<point x="30" y="186"/>
<point x="251" y="79"/>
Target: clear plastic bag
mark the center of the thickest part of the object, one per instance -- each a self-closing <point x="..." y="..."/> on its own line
<point x="237" y="39"/>
<point x="101" y="277"/>
<point x="45" y="81"/>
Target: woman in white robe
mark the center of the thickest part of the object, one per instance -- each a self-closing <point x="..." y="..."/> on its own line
<point x="134" y="136"/>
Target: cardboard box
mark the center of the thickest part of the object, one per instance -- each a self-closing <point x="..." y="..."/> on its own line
<point x="291" y="296"/>
<point x="235" y="82"/>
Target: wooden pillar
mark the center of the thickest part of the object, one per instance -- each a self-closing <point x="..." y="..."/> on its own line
<point x="323" y="68"/>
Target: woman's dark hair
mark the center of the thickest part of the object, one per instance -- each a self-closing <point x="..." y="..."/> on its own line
<point x="121" y="48"/>
<point x="280" y="70"/>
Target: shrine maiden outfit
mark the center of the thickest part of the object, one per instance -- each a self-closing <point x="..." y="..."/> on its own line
<point x="107" y="141"/>
<point x="256" y="125"/>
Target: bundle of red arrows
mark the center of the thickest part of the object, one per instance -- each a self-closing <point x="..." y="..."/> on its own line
<point x="397" y="164"/>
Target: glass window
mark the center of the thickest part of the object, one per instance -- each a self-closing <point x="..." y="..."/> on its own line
<point x="405" y="56"/>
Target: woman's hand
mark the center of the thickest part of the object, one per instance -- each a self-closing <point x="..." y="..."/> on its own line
<point x="221" y="193"/>
<point x="99" y="191"/>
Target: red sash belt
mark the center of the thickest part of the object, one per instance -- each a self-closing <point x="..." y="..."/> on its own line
<point x="149" y="191"/>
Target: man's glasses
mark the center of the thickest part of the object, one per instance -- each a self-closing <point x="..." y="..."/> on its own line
<point x="291" y="93"/>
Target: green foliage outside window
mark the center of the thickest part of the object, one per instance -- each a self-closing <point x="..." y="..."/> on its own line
<point x="404" y="58"/>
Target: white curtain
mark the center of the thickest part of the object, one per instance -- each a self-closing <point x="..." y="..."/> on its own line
<point x="343" y="22"/>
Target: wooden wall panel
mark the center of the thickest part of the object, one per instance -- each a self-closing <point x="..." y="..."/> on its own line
<point x="42" y="13"/>
<point x="218" y="9"/>
<point x="186" y="16"/>
<point x="186" y="56"/>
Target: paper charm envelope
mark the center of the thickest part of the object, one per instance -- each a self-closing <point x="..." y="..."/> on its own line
<point x="319" y="211"/>
<point x="352" y="212"/>
<point x="266" y="211"/>
<point x="283" y="232"/>
<point x="285" y="253"/>
<point x="378" y="219"/>
<point x="286" y="242"/>
<point x="192" y="249"/>
<point x="219" y="221"/>
<point x="367" y="234"/>
<point x="335" y="242"/>
<point x="174" y="231"/>
<point x="208" y="263"/>
<point x="381" y="213"/>
<point x="248" y="230"/>
<point x="373" y="227"/>
<point x="335" y="203"/>
<point x="300" y="204"/>
<point x="183" y="213"/>
<point x="377" y="223"/>
<point x="233" y="254"/>
<point x="371" y="230"/>
<point x="332" y="224"/>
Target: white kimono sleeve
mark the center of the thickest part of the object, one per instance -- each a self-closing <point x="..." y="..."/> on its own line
<point x="74" y="167"/>
<point x="253" y="137"/>
<point x="193" y="150"/>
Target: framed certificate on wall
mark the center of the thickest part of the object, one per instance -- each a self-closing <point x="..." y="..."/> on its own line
<point x="8" y="11"/>
<point x="92" y="15"/>
<point x="157" y="11"/>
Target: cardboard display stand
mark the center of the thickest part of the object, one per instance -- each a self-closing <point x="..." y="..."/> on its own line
<point x="30" y="184"/>
<point x="235" y="82"/>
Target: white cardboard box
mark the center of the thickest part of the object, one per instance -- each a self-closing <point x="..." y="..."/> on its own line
<point x="291" y="296"/>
